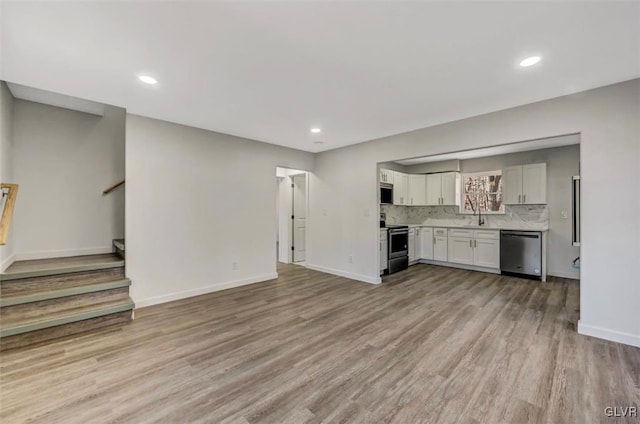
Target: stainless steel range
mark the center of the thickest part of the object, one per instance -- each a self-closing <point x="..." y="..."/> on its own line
<point x="398" y="248"/>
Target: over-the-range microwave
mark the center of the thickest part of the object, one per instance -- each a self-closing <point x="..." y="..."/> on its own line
<point x="386" y="193"/>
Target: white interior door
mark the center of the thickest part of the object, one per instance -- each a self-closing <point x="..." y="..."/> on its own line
<point x="299" y="216"/>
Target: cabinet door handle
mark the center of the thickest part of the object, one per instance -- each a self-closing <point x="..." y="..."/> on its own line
<point x="475" y="243"/>
<point x="470" y="243"/>
<point x="524" y="199"/>
<point x="519" y="198"/>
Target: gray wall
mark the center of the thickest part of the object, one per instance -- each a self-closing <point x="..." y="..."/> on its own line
<point x="196" y="203"/>
<point x="344" y="189"/>
<point x="6" y="162"/>
<point x="63" y="160"/>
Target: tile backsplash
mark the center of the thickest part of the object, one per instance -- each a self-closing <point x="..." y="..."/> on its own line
<point x="515" y="215"/>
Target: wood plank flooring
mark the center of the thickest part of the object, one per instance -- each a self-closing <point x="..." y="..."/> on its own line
<point x="430" y="345"/>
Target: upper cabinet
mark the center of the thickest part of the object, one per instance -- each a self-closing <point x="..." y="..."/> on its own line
<point x="400" y="188"/>
<point x="525" y="184"/>
<point x="443" y="189"/>
<point x="417" y="194"/>
<point x="386" y="176"/>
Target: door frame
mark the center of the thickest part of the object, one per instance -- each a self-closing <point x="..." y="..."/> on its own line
<point x="285" y="210"/>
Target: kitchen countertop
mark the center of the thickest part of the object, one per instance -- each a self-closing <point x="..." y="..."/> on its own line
<point x="541" y="228"/>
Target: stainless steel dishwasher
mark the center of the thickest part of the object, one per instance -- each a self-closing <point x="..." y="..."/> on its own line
<point x="521" y="253"/>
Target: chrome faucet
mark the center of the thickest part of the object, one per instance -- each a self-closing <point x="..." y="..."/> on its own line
<point x="480" y="218"/>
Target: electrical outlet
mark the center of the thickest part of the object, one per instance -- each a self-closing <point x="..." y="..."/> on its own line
<point x="565" y="214"/>
<point x="350" y="259"/>
<point x="235" y="265"/>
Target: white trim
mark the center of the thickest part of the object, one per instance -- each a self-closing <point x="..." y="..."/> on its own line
<point x="48" y="254"/>
<point x="202" y="290"/>
<point x="460" y="266"/>
<point x="562" y="274"/>
<point x="607" y="334"/>
<point x="346" y="274"/>
<point x="7" y="262"/>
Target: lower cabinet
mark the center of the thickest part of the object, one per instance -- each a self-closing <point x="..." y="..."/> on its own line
<point x="486" y="249"/>
<point x="440" y="245"/>
<point x="383" y="251"/>
<point x="455" y="245"/>
<point x="474" y="247"/>
<point x="412" y="245"/>
<point x="461" y="250"/>
<point x="426" y="243"/>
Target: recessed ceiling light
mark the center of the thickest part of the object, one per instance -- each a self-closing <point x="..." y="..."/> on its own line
<point x="318" y="142"/>
<point x="147" y="79"/>
<point x="530" y="61"/>
<point x="316" y="130"/>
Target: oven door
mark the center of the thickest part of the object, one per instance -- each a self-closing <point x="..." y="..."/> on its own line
<point x="398" y="243"/>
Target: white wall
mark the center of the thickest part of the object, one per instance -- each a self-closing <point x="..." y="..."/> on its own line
<point x="345" y="188"/>
<point x="196" y="203"/>
<point x="6" y="163"/>
<point x="63" y="160"/>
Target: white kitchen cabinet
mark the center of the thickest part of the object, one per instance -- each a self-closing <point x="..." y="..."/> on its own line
<point x="400" y="188"/>
<point x="386" y="176"/>
<point x="434" y="189"/>
<point x="512" y="185"/>
<point x="460" y="250"/>
<point x="440" y="245"/>
<point x="486" y="248"/>
<point x="525" y="184"/>
<point x="486" y="253"/>
<point x="534" y="184"/>
<point x="450" y="188"/>
<point x="426" y="243"/>
<point x="383" y="251"/>
<point x="412" y="245"/>
<point x="417" y="190"/>
<point x="443" y="189"/>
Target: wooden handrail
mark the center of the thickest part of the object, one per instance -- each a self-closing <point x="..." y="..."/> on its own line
<point x="7" y="213"/>
<point x="113" y="187"/>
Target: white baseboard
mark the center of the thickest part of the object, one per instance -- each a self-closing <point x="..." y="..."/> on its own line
<point x="460" y="266"/>
<point x="607" y="334"/>
<point x="141" y="303"/>
<point x="346" y="274"/>
<point x="48" y="254"/>
<point x="7" y="262"/>
<point x="561" y="274"/>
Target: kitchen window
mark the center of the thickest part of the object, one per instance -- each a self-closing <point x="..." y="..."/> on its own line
<point x="482" y="191"/>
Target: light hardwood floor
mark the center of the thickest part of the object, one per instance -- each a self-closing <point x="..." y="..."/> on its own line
<point x="430" y="345"/>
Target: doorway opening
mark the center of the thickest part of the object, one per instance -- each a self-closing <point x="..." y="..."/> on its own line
<point x="292" y="212"/>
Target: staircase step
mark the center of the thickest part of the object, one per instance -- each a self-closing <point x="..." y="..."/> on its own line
<point x="20" y="299"/>
<point x="50" y="283"/>
<point x="12" y="328"/>
<point x="32" y="338"/>
<point x="57" y="266"/>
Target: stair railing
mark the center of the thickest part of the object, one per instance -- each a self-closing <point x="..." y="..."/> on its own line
<point x="113" y="187"/>
<point x="7" y="210"/>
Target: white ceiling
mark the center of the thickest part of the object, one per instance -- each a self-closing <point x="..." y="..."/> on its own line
<point x="503" y="149"/>
<point x="359" y="70"/>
